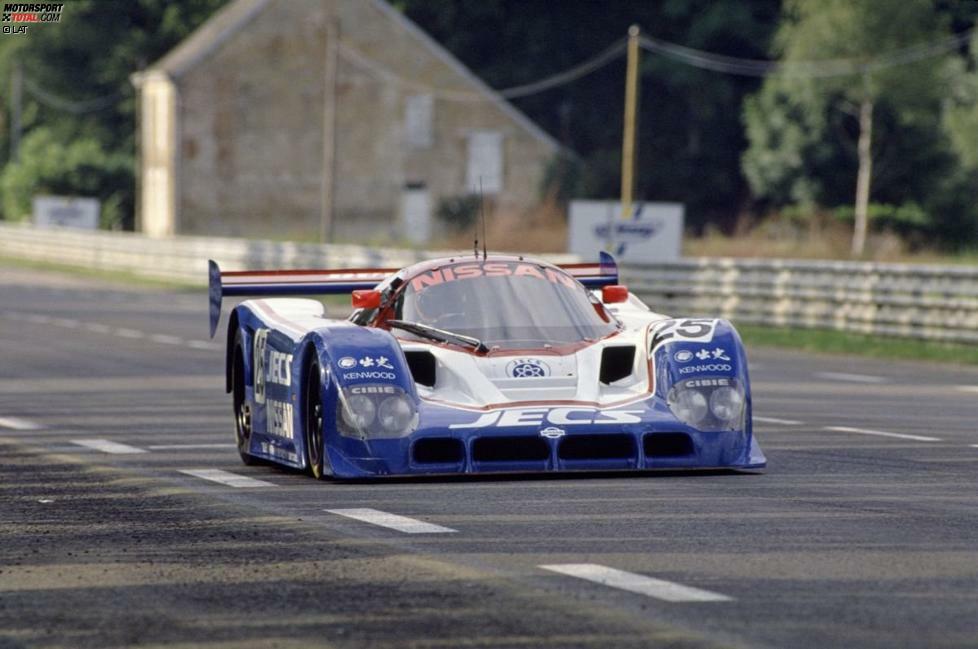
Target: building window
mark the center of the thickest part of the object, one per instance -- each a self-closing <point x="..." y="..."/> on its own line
<point x="485" y="162"/>
<point x="418" y="120"/>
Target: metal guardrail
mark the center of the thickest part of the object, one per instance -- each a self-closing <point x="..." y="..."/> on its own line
<point x="184" y="259"/>
<point x="928" y="302"/>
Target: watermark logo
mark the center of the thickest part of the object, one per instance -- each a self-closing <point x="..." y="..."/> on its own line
<point x="17" y="17"/>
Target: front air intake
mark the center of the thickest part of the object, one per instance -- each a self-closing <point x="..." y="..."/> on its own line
<point x="597" y="447"/>
<point x="438" y="450"/>
<point x="510" y="449"/>
<point x="667" y="445"/>
<point x="616" y="363"/>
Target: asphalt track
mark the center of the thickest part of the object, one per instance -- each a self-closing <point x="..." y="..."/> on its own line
<point x="863" y="532"/>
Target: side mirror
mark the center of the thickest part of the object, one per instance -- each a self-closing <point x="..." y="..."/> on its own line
<point x="366" y="299"/>
<point x="614" y="293"/>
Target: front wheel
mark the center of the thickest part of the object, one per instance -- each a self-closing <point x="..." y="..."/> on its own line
<point x="313" y="422"/>
<point x="242" y="409"/>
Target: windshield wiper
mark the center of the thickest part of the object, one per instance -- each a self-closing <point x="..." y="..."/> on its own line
<point x="439" y="335"/>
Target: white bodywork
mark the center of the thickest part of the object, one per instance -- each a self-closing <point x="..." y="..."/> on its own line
<point x="469" y="380"/>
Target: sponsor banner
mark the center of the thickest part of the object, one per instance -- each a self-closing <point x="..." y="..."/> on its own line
<point x="652" y="232"/>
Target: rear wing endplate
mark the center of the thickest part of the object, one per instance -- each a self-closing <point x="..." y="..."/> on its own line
<point x="603" y="273"/>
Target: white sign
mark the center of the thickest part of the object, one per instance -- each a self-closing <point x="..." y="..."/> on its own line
<point x="653" y="231"/>
<point x="416" y="215"/>
<point x="66" y="212"/>
<point x="485" y="162"/>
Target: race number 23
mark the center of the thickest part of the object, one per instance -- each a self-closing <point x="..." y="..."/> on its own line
<point x="690" y="330"/>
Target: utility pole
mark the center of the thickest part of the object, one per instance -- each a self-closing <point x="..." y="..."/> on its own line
<point x="631" y="117"/>
<point x="16" y="105"/>
<point x="329" y="126"/>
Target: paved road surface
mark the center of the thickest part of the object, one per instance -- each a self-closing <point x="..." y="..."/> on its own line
<point x="127" y="519"/>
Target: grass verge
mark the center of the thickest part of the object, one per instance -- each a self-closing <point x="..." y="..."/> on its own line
<point x="840" y="342"/>
<point x="116" y="276"/>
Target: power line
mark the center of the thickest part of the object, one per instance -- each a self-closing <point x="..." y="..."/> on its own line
<point x="573" y="74"/>
<point x="71" y="106"/>
<point x="689" y="56"/>
<point x="810" y="69"/>
<point x="596" y="62"/>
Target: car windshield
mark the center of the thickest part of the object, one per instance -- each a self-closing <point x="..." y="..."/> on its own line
<point x="512" y="305"/>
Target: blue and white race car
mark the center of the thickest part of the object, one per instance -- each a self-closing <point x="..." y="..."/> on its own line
<point x="477" y="365"/>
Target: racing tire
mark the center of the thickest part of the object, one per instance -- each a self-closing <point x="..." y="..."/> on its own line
<point x="312" y="421"/>
<point x="242" y="409"/>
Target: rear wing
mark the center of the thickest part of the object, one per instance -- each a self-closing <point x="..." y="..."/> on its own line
<point x="603" y="273"/>
<point x="347" y="280"/>
<point x="287" y="282"/>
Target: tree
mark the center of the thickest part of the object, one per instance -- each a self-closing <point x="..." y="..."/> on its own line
<point x="961" y="110"/>
<point x="862" y="33"/>
<point x="690" y="136"/>
<point x="91" y="54"/>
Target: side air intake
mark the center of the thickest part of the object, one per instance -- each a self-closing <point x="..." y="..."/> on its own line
<point x="616" y="363"/>
<point x="422" y="366"/>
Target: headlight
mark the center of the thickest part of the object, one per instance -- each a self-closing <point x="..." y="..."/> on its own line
<point x="359" y="411"/>
<point x="376" y="411"/>
<point x="708" y="404"/>
<point x="689" y="406"/>
<point x="395" y="413"/>
<point x="726" y="404"/>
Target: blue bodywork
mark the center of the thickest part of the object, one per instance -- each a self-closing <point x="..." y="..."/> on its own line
<point x="643" y="434"/>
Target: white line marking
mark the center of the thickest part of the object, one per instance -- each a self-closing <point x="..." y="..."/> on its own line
<point x="128" y="333"/>
<point x="45" y="501"/>
<point x="634" y="583"/>
<point x="880" y="433"/>
<point x="202" y="344"/>
<point x="393" y="521"/>
<point x="967" y="388"/>
<point x="65" y="322"/>
<point x="178" y="447"/>
<point x="166" y="340"/>
<point x="775" y="420"/>
<point x="974" y="445"/>
<point x="16" y="423"/>
<point x="853" y="378"/>
<point x="97" y="327"/>
<point x="227" y="478"/>
<point x="107" y="446"/>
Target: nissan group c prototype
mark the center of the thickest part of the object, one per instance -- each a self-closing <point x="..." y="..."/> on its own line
<point x="478" y="364"/>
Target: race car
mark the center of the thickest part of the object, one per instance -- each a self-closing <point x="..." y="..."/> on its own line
<point x="478" y="364"/>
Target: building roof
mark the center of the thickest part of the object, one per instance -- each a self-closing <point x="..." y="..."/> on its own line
<point x="234" y="16"/>
<point x="207" y="38"/>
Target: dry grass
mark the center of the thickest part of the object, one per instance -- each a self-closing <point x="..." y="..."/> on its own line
<point x="542" y="229"/>
<point x="823" y="239"/>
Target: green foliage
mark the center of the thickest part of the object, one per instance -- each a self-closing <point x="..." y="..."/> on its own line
<point x="802" y="131"/>
<point x="961" y="109"/>
<point x="78" y="168"/>
<point x="907" y="219"/>
<point x="690" y="136"/>
<point x="786" y="128"/>
<point x="459" y="213"/>
<point x="90" y="54"/>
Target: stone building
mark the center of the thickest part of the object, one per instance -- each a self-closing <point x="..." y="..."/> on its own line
<point x="332" y="118"/>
